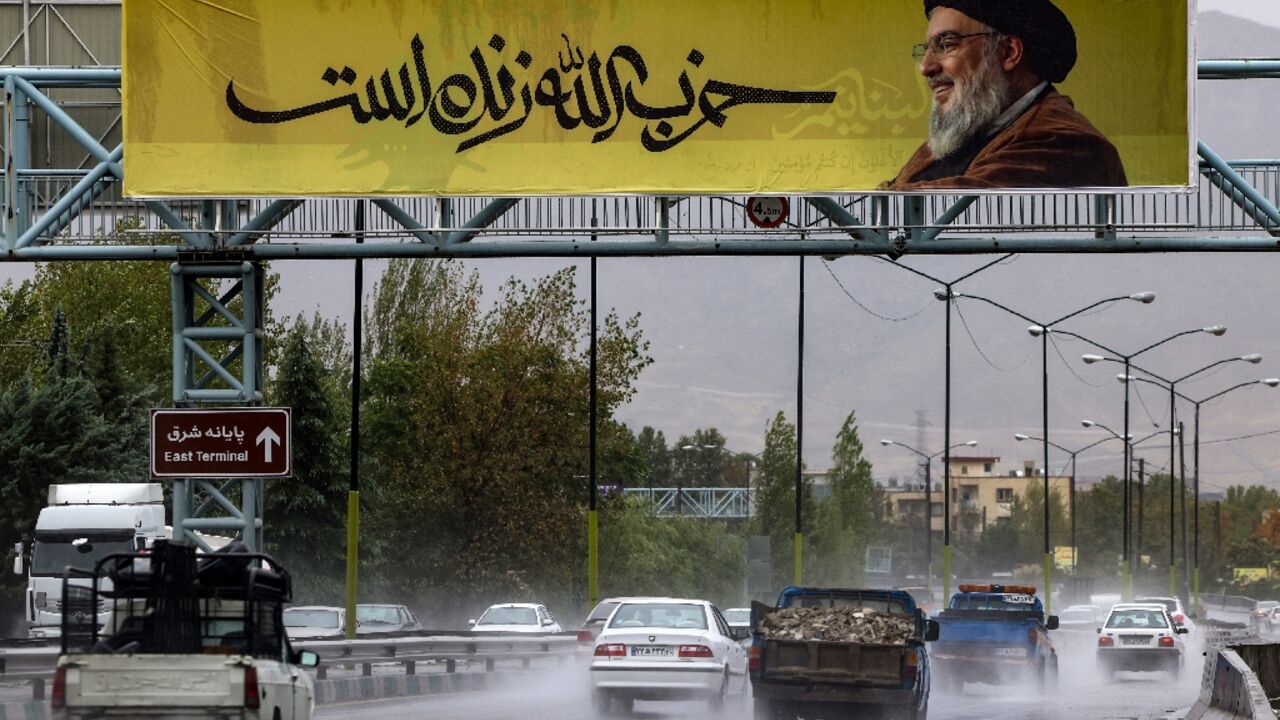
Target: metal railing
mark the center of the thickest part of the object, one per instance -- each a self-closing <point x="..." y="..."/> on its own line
<point x="36" y="664"/>
<point x="109" y="214"/>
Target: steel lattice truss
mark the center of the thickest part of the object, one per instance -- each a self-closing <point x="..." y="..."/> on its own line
<point x="79" y="212"/>
<point x="708" y="502"/>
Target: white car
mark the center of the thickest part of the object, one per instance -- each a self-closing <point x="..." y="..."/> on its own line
<point x="516" y="617"/>
<point x="666" y="649"/>
<point x="314" y="621"/>
<point x="1140" y="638"/>
<point x="1174" y="606"/>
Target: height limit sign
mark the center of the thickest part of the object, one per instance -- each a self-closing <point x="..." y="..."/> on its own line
<point x="221" y="443"/>
<point x="767" y="212"/>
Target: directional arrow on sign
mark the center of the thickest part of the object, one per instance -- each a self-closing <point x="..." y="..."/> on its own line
<point x="268" y="436"/>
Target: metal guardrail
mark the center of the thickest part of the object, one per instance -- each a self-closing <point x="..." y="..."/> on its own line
<point x="36" y="664"/>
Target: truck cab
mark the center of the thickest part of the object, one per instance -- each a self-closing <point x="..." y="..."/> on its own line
<point x="82" y="524"/>
<point x="995" y="634"/>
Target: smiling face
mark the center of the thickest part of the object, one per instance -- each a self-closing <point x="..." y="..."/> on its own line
<point x="970" y="79"/>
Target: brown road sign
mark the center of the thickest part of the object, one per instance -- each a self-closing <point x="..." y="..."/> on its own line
<point x="221" y="442"/>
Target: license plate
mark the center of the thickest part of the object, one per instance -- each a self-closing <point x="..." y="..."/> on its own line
<point x="651" y="651"/>
<point x="1136" y="640"/>
<point x="1011" y="652"/>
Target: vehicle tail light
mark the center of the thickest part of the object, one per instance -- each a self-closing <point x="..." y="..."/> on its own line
<point x="611" y="650"/>
<point x="1105" y="641"/>
<point x="585" y="637"/>
<point x="251" y="698"/>
<point x="1033" y="637"/>
<point x="58" y="698"/>
<point x="695" y="651"/>
<point x="1166" y="641"/>
<point x="753" y="659"/>
<point x="1179" y="618"/>
<point x="911" y="667"/>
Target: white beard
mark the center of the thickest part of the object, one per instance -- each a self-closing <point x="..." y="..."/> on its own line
<point x="975" y="103"/>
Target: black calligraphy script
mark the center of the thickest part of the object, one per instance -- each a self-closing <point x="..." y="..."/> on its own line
<point x="579" y="90"/>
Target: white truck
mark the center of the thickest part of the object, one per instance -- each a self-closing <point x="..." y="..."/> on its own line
<point x="82" y="524"/>
<point x="188" y="636"/>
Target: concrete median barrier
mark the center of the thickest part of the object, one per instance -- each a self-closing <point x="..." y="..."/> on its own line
<point x="1232" y="686"/>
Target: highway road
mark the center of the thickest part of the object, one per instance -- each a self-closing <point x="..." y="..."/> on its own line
<point x="562" y="695"/>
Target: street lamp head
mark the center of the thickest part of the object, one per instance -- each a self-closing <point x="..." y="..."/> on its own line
<point x="1146" y="298"/>
<point x="1088" y="423"/>
<point x="1271" y="382"/>
<point x="1253" y="358"/>
<point x="1124" y="378"/>
<point x="1091" y="359"/>
<point x="971" y="443"/>
<point x="1218" y="330"/>
<point x="1035" y="330"/>
<point x="886" y="443"/>
<point x="1020" y="437"/>
<point x="944" y="293"/>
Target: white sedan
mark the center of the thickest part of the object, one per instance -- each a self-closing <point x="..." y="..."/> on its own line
<point x="1140" y="637"/>
<point x="516" y="617"/>
<point x="666" y="649"/>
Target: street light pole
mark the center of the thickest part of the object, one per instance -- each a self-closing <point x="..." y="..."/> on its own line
<point x="1171" y="386"/>
<point x="1072" y="485"/>
<point x="1042" y="331"/>
<point x="1215" y="330"/>
<point x="928" y="506"/>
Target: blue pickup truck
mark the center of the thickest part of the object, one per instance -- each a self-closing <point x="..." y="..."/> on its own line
<point x="995" y="634"/>
<point x="801" y="673"/>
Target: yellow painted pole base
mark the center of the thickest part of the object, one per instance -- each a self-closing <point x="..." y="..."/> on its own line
<point x="799" y="560"/>
<point x="946" y="575"/>
<point x="353" y="561"/>
<point x="593" y="558"/>
<point x="1047" y="591"/>
<point x="1126" y="582"/>
<point x="1173" y="581"/>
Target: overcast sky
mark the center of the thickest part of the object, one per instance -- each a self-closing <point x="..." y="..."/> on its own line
<point x="723" y="330"/>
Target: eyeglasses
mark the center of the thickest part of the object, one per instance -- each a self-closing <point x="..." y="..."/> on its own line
<point x="944" y="44"/>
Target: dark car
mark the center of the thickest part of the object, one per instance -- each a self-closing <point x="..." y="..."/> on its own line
<point x="377" y="618"/>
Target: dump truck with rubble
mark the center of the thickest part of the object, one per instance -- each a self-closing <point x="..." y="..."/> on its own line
<point x="836" y="652"/>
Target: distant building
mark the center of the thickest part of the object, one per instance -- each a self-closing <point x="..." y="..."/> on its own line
<point x="980" y="495"/>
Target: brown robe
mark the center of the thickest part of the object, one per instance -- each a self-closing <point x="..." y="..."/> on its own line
<point x="1051" y="145"/>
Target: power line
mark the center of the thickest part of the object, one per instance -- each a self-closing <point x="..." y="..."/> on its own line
<point x="866" y="309"/>
<point x="977" y="347"/>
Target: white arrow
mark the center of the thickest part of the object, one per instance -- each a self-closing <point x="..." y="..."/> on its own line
<point x="268" y="436"/>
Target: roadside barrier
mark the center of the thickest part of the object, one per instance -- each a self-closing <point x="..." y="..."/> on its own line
<point x="36" y="664"/>
<point x="1232" y="684"/>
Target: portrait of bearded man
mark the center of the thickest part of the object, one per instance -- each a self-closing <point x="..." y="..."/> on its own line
<point x="997" y="119"/>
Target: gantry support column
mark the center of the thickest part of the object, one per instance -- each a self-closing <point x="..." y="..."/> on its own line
<point x="217" y="359"/>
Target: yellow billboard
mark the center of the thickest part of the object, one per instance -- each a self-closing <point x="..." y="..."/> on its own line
<point x="543" y="97"/>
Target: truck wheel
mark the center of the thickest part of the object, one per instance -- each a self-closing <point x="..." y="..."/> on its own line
<point x="766" y="709"/>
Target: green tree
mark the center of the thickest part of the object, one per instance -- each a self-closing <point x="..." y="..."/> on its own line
<point x="57" y="430"/>
<point x="699" y="459"/>
<point x="673" y="556"/>
<point x="1100" y="529"/>
<point x="1027" y="516"/>
<point x="306" y="518"/>
<point x="844" y="519"/>
<point x="657" y="458"/>
<point x="776" y="497"/>
<point x="477" y="432"/>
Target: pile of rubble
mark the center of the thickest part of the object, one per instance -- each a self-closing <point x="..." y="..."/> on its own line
<point x="838" y="624"/>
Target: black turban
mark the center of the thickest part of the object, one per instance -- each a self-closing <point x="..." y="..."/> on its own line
<point x="1047" y="35"/>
